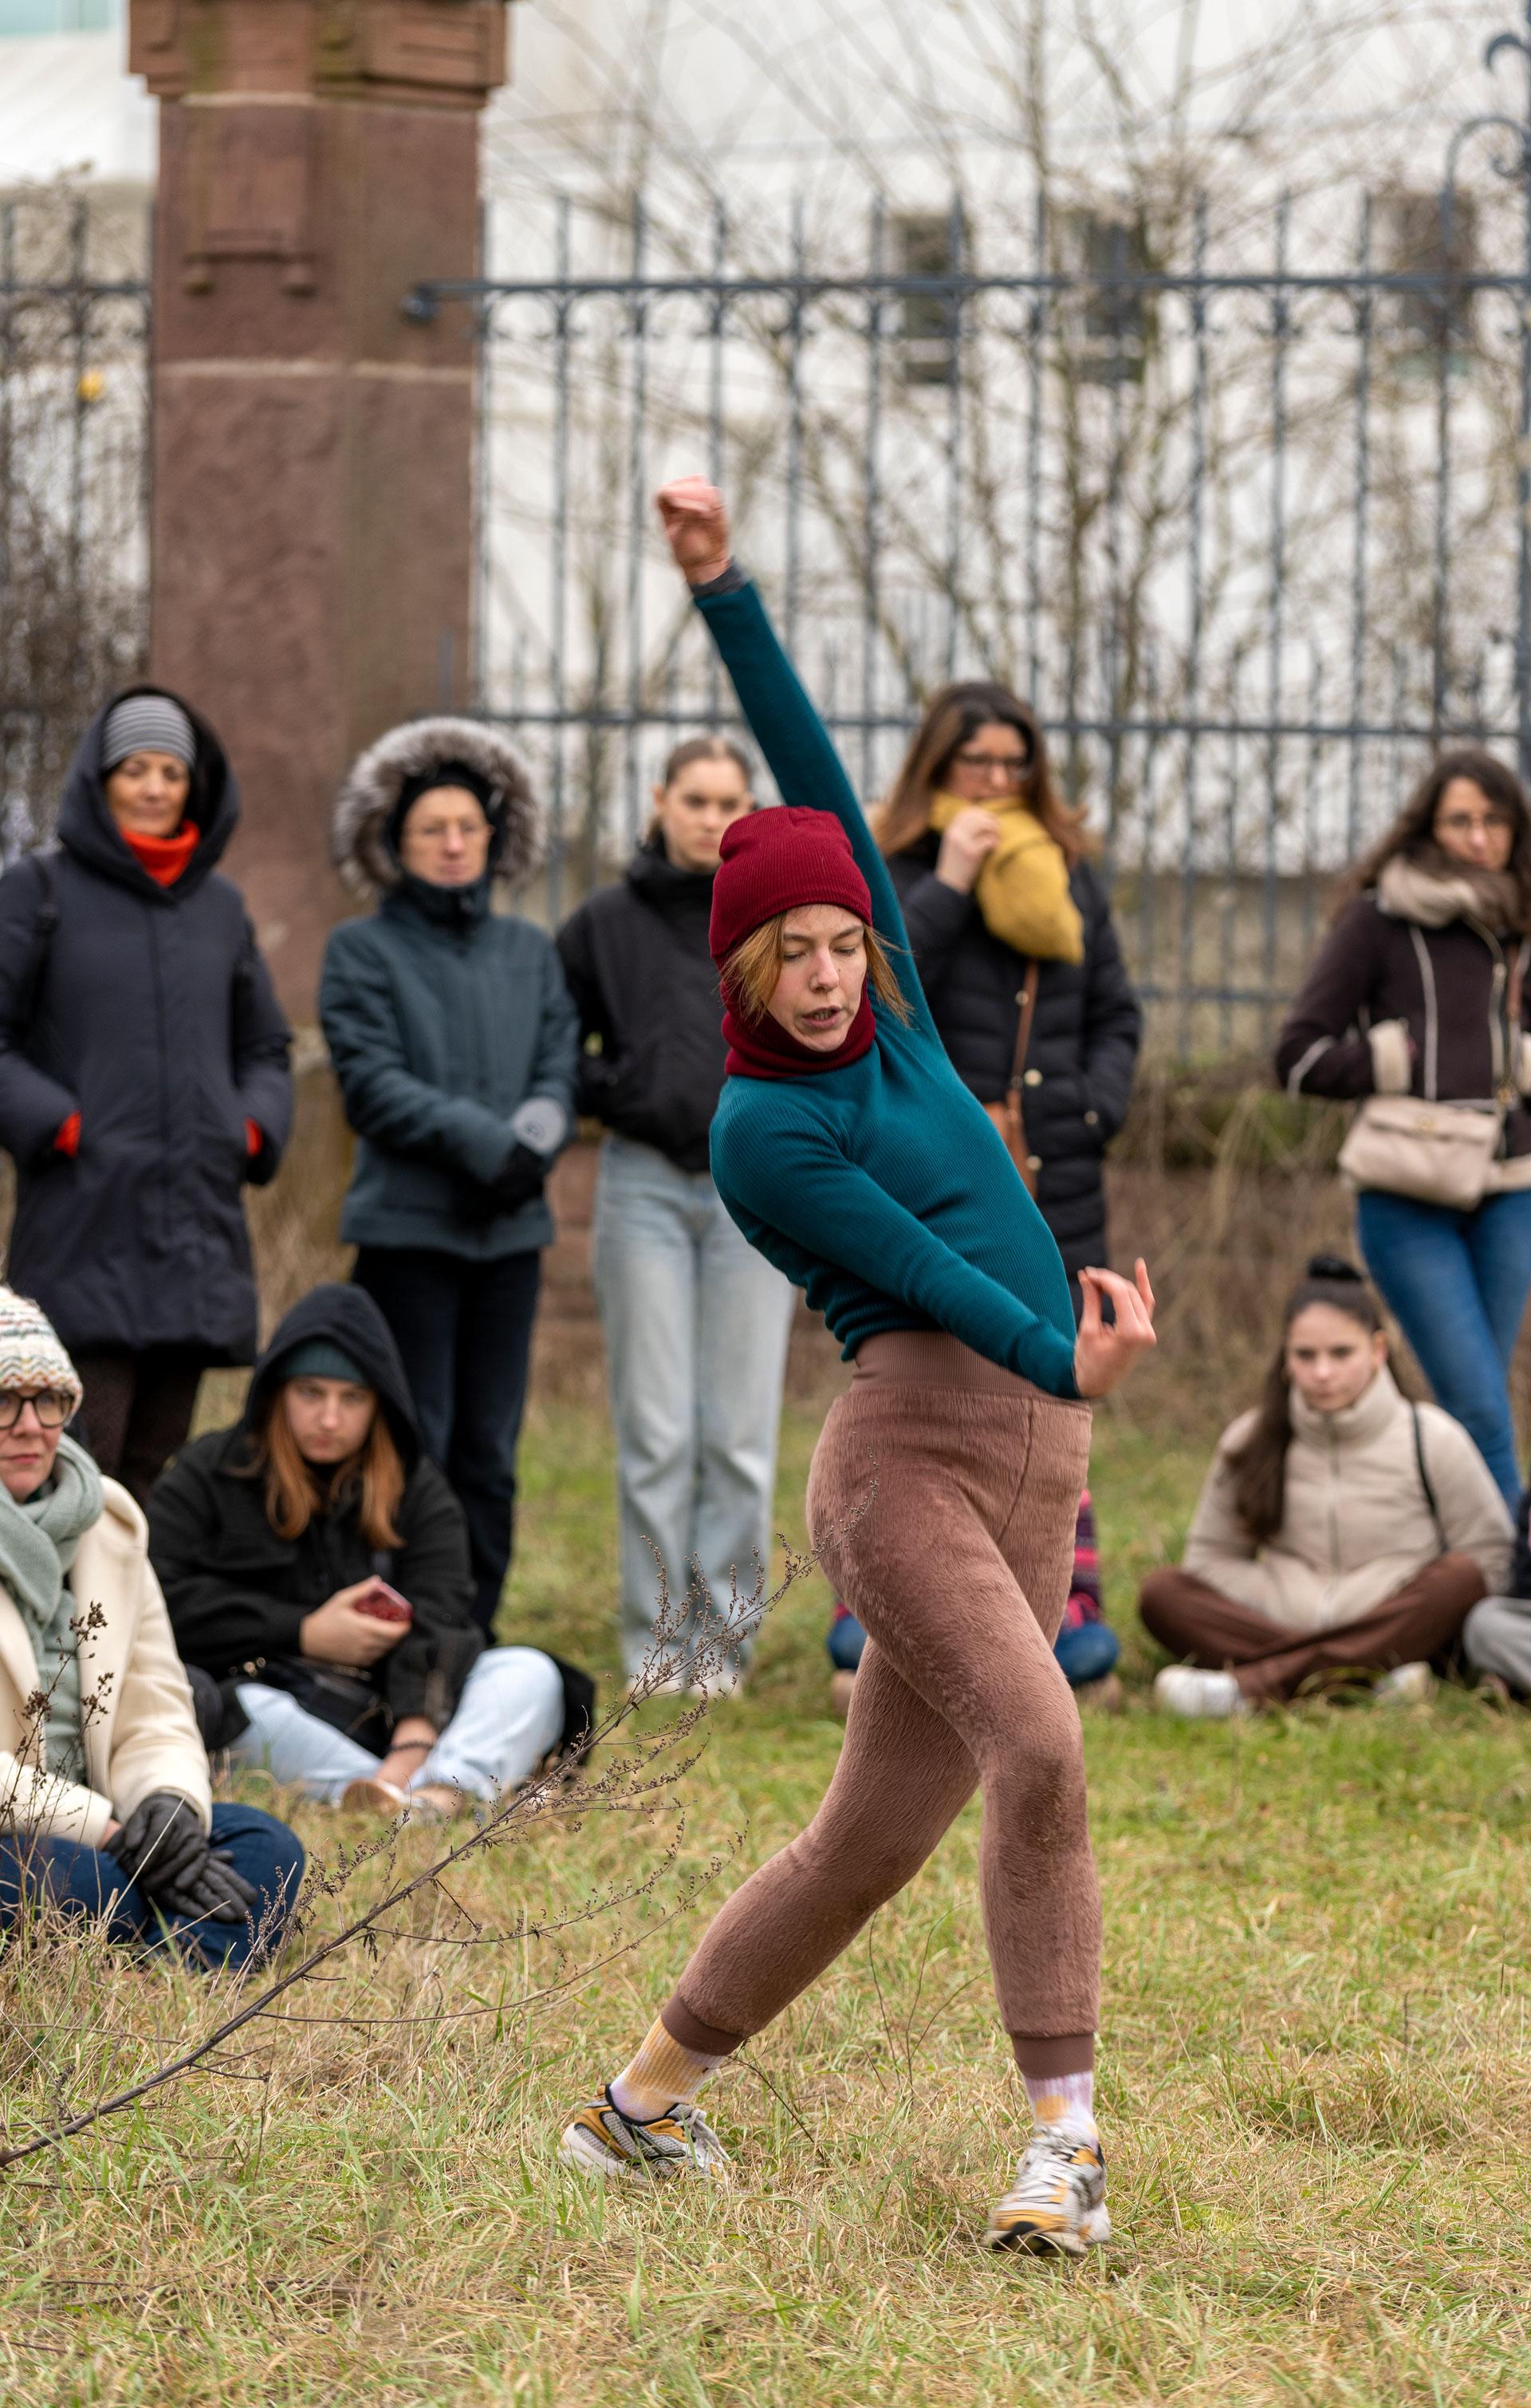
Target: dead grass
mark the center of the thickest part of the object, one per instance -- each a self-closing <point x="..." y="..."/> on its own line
<point x="1316" y="2084"/>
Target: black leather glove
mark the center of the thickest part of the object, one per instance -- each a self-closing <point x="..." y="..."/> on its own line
<point x="212" y="1891"/>
<point x="521" y="1181"/>
<point x="161" y="1844"/>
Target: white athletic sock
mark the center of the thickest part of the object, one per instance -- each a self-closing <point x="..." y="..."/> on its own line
<point x="661" y="2076"/>
<point x="1056" y="2095"/>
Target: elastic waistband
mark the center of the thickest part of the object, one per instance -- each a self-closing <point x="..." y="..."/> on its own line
<point x="929" y="1359"/>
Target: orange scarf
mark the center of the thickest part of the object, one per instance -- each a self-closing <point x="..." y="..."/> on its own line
<point x="164" y="857"/>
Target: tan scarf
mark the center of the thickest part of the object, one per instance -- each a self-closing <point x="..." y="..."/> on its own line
<point x="1022" y="888"/>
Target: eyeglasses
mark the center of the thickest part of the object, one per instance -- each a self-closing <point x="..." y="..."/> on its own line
<point x="51" y="1408"/>
<point x="1463" y="823"/>
<point x="1013" y="766"/>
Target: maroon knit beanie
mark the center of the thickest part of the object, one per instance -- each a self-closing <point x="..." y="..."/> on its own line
<point x="777" y="860"/>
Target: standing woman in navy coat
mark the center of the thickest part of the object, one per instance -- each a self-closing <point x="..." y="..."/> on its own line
<point x="143" y="1076"/>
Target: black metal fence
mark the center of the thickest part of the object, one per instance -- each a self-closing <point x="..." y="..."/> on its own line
<point x="74" y="478"/>
<point x="1238" y="494"/>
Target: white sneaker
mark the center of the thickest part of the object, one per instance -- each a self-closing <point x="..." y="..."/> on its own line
<point x="1407" y="1684"/>
<point x="1057" y="2202"/>
<point x="1198" y="1697"/>
<point x="604" y="2143"/>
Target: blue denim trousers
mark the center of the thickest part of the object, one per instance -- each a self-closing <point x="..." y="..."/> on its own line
<point x="696" y="1326"/>
<point x="64" y="1873"/>
<point x="1084" y="1655"/>
<point x="1457" y="1283"/>
<point x="509" y="1717"/>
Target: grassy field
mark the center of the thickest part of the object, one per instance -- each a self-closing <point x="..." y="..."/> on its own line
<point x="1316" y="2083"/>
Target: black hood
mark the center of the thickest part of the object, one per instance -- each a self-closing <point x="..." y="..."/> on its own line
<point x="87" y="829"/>
<point x="678" y="893"/>
<point x="347" y="1317"/>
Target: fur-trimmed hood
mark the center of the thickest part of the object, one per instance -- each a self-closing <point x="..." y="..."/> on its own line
<point x="359" y="845"/>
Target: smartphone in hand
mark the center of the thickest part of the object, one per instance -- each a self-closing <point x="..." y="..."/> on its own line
<point x="384" y="1604"/>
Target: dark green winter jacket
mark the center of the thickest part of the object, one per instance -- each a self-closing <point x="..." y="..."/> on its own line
<point x="442" y="1018"/>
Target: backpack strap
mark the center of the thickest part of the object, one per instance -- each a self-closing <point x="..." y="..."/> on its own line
<point x="43" y="928"/>
<point x="1424" y="1479"/>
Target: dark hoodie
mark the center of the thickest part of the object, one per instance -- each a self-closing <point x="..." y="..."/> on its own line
<point x="636" y="961"/>
<point x="149" y="1011"/>
<point x="238" y="1593"/>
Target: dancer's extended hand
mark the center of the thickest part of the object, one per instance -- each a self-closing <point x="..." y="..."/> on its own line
<point x="695" y="519"/>
<point x="1104" y="1351"/>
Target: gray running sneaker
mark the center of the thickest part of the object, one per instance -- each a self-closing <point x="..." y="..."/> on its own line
<point x="1057" y="2202"/>
<point x="602" y="2142"/>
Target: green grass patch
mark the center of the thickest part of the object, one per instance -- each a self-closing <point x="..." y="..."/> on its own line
<point x="1315" y="2081"/>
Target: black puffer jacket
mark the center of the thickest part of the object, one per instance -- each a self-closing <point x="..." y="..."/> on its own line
<point x="637" y="962"/>
<point x="1084" y="1037"/>
<point x="238" y="1593"/>
<point x="149" y="1011"/>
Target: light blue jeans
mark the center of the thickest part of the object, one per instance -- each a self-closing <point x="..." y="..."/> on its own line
<point x="509" y="1714"/>
<point x="1458" y="1282"/>
<point x="696" y="1326"/>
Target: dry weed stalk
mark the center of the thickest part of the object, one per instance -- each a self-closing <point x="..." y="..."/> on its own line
<point x="645" y="1769"/>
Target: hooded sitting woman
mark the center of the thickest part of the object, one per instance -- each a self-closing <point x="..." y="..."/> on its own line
<point x="106" y="1808"/>
<point x="315" y="1564"/>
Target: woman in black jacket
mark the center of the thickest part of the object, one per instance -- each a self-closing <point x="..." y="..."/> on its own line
<point x="1001" y="906"/>
<point x="315" y="1564"/>
<point x="695" y="1322"/>
<point x="1420" y="989"/>
<point x="143" y="1076"/>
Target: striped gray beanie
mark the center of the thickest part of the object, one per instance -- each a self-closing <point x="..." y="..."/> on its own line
<point x="147" y="722"/>
<point x="32" y="1354"/>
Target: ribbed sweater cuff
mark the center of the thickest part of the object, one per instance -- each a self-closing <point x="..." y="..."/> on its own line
<point x="732" y="582"/>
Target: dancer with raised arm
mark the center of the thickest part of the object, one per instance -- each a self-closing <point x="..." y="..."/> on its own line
<point x="945" y="1485"/>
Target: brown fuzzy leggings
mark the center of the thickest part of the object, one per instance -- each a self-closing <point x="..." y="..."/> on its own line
<point x="942" y="1503"/>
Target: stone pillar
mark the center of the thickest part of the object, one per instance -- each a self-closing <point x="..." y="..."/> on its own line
<point x="312" y="523"/>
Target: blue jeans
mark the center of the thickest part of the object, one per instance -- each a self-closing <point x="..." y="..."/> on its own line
<point x="509" y="1717"/>
<point x="1083" y="1654"/>
<point x="87" y="1882"/>
<point x="1457" y="1283"/>
<point x="696" y="1326"/>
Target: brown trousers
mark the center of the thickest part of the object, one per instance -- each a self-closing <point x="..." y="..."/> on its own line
<point x="942" y="1504"/>
<point x="1200" y="1626"/>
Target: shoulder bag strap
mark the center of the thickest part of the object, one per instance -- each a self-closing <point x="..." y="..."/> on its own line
<point x="1022" y="1029"/>
<point x="43" y="928"/>
<point x="1424" y="1479"/>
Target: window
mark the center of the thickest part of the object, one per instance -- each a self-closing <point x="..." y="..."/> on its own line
<point x="927" y="245"/>
<point x="1419" y="236"/>
<point x="1110" y="324"/>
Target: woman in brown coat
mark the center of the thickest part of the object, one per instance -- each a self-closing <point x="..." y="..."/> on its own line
<point x="1420" y="989"/>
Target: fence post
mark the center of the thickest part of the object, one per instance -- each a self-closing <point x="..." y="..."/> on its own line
<point x="312" y="528"/>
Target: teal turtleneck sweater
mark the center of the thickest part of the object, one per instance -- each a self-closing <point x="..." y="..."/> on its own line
<point x="884" y="1189"/>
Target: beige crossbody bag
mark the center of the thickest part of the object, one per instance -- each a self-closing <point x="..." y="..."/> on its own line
<point x="1419" y="1147"/>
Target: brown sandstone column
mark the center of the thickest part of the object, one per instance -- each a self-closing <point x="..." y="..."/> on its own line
<point x="312" y="522"/>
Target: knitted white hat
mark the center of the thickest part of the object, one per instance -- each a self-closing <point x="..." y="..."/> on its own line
<point x="31" y="1353"/>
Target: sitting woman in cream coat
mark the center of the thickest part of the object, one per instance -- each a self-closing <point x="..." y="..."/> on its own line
<point x="106" y="1808"/>
<point x="1341" y="1529"/>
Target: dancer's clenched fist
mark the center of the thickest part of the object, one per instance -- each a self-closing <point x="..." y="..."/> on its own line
<point x="695" y="519"/>
<point x="1104" y="1351"/>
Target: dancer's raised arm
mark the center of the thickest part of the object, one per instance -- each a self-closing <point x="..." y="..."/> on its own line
<point x="796" y="744"/>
